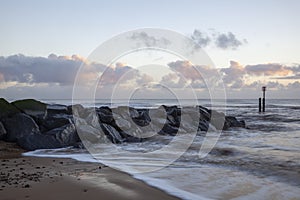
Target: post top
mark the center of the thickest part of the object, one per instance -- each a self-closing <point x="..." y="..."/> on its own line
<point x="264" y="88"/>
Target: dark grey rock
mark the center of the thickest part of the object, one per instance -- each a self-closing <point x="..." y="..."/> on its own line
<point x="203" y="125"/>
<point x="105" y="114"/>
<point x="31" y="107"/>
<point x="66" y="135"/>
<point x="7" y="109"/>
<point x="18" y="126"/>
<point x="57" y="138"/>
<point x="233" y="122"/>
<point x="140" y="116"/>
<point x="2" y="131"/>
<point x="53" y="122"/>
<point x="112" y="134"/>
<point x="57" y="109"/>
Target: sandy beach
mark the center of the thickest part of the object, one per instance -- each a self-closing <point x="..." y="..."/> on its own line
<point x="51" y="178"/>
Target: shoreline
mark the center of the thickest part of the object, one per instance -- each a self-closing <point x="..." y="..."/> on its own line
<point x="25" y="177"/>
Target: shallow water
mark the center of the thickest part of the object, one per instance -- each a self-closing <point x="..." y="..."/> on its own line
<point x="260" y="162"/>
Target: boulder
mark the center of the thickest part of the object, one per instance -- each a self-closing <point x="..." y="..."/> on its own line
<point x="140" y="116"/>
<point x="233" y="122"/>
<point x="18" y="126"/>
<point x="2" y="131"/>
<point x="31" y="107"/>
<point x="112" y="134"/>
<point x="7" y="109"/>
<point x="65" y="135"/>
<point x="57" y="109"/>
<point x="93" y="120"/>
<point x="53" y="122"/>
<point x="218" y="120"/>
<point x="38" y="141"/>
<point x="105" y="115"/>
<point x="90" y="134"/>
<point x="203" y="125"/>
<point x="57" y="138"/>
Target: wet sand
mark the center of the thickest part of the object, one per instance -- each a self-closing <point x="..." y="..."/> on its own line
<point x="52" y="178"/>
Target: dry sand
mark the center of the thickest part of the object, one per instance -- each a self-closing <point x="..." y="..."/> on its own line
<point x="52" y="178"/>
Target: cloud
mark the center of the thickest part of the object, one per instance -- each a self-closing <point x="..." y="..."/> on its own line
<point x="227" y="41"/>
<point x="200" y="38"/>
<point x="233" y="74"/>
<point x="221" y="40"/>
<point x="271" y="69"/>
<point x="186" y="74"/>
<point x="54" y="69"/>
<point x="56" y="74"/>
<point x="148" y="40"/>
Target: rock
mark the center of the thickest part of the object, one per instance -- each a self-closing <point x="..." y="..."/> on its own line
<point x="38" y="141"/>
<point x="7" y="109"/>
<point x="53" y="122"/>
<point x="112" y="134"/>
<point x="57" y="109"/>
<point x="57" y="138"/>
<point x="233" y="122"/>
<point x="66" y="135"/>
<point x="218" y="120"/>
<point x="105" y="114"/>
<point x="18" y="126"/>
<point x="93" y="120"/>
<point x="31" y="107"/>
<point x="2" y="131"/>
<point x="204" y="113"/>
<point x="168" y="129"/>
<point x="90" y="134"/>
<point x="203" y="125"/>
<point x="76" y="110"/>
<point x="122" y="123"/>
<point x="140" y="116"/>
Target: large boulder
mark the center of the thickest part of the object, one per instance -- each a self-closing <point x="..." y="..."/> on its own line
<point x="111" y="133"/>
<point x="2" y="131"/>
<point x="105" y="114"/>
<point x="57" y="138"/>
<point x="65" y="135"/>
<point x="31" y="107"/>
<point x="58" y="109"/>
<point x="140" y="116"/>
<point x="18" y="126"/>
<point x="7" y="109"/>
<point x="233" y="122"/>
<point x="53" y="122"/>
<point x="91" y="135"/>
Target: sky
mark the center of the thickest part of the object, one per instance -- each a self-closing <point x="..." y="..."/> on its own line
<point x="250" y="44"/>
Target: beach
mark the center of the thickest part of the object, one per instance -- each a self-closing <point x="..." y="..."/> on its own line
<point x="56" y="178"/>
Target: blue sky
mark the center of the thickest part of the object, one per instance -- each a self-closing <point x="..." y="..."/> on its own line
<point x="270" y="29"/>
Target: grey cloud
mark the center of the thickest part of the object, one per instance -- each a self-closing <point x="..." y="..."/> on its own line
<point x="227" y="41"/>
<point x="221" y="40"/>
<point x="270" y="69"/>
<point x="25" y="69"/>
<point x="296" y="76"/>
<point x="149" y="40"/>
<point x="200" y="38"/>
<point x="186" y="74"/>
<point x="233" y="74"/>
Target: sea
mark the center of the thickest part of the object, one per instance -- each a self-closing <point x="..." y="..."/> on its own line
<point x="261" y="161"/>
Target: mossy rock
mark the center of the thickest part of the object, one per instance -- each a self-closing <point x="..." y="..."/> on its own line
<point x="31" y="106"/>
<point x="7" y="109"/>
